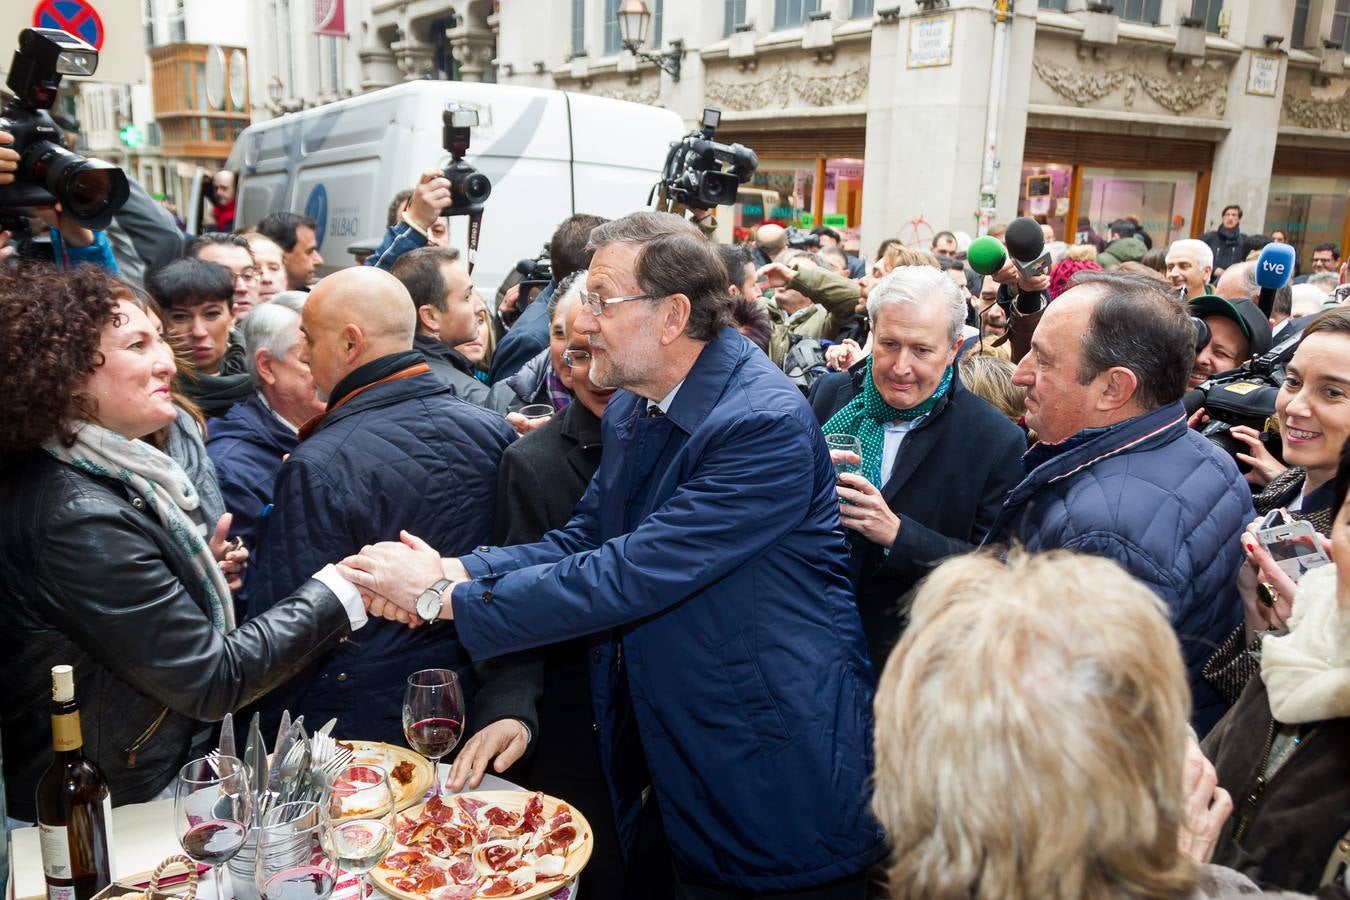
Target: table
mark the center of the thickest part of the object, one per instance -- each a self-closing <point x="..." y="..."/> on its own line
<point x="143" y="836"/>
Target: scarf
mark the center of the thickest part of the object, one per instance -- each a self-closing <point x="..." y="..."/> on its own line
<point x="1307" y="671"/>
<point x="866" y="415"/>
<point x="167" y="490"/>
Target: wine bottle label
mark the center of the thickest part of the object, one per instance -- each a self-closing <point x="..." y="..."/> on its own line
<point x="55" y="846"/>
<point x="66" y="732"/>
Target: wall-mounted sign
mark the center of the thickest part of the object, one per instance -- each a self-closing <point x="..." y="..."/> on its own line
<point x="930" y="41"/>
<point x="1263" y="74"/>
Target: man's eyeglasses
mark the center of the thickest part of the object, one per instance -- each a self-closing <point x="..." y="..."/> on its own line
<point x="248" y="276"/>
<point x="574" y="358"/>
<point x="596" y="304"/>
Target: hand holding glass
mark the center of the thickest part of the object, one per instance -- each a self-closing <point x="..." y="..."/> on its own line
<point x="840" y="445"/>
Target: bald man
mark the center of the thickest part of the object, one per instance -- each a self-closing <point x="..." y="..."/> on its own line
<point x="770" y="242"/>
<point x="393" y="450"/>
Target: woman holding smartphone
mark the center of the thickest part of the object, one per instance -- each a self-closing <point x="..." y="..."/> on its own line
<point x="1281" y="750"/>
<point x="1313" y="411"/>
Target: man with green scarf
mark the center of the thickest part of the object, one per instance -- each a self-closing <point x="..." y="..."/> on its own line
<point x="936" y="462"/>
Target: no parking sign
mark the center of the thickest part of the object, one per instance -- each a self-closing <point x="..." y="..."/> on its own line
<point x="113" y="27"/>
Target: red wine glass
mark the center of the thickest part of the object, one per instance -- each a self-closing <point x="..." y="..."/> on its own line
<point x="433" y="715"/>
<point x="293" y="862"/>
<point x="213" y="811"/>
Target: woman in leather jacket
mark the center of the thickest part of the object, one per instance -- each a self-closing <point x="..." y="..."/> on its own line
<point x="106" y="562"/>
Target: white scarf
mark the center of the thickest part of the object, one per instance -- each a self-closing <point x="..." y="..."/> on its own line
<point x="1307" y="671"/>
<point x="168" y="491"/>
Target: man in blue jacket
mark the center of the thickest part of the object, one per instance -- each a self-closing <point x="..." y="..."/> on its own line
<point x="392" y="450"/>
<point x="1118" y="473"/>
<point x="728" y="667"/>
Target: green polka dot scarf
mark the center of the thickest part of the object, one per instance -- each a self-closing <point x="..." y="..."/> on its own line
<point x="866" y="415"/>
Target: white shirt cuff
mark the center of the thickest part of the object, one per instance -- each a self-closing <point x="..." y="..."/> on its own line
<point x="346" y="592"/>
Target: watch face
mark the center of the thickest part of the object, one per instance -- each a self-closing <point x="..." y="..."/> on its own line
<point x="429" y="605"/>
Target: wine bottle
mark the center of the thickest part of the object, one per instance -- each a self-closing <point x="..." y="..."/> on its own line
<point x="74" y="807"/>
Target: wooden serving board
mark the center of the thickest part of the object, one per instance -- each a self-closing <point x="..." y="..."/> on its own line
<point x="515" y="801"/>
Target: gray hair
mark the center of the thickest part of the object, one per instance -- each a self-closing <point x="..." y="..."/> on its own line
<point x="273" y="327"/>
<point x="1324" y="281"/>
<point x="564" y="297"/>
<point x="915" y="285"/>
<point x="639" y="228"/>
<point x="292" y="300"/>
<point x="1203" y="253"/>
<point x="1246" y="271"/>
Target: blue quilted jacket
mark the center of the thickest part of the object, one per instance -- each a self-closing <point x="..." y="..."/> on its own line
<point x="405" y="454"/>
<point x="1159" y="499"/>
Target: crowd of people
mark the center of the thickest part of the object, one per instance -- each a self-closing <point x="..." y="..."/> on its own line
<point x="817" y="576"/>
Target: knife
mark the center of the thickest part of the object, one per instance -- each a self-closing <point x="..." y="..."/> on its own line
<point x="257" y="750"/>
<point x="285" y="737"/>
<point x="227" y="747"/>
<point x="327" y="728"/>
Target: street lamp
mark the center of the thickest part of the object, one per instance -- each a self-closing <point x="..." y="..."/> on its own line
<point x="634" y="20"/>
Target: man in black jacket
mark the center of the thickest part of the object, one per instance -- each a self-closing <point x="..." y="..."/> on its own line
<point x="394" y="450"/>
<point x="444" y="295"/>
<point x="1227" y="241"/>
<point x="936" y="462"/>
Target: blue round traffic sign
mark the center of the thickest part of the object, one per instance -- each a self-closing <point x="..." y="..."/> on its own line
<point x="75" y="16"/>
<point x="316" y="207"/>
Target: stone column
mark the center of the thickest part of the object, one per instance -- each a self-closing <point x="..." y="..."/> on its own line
<point x="1243" y="159"/>
<point x="378" y="67"/>
<point x="473" y="43"/>
<point x="415" y="59"/>
<point x="926" y="128"/>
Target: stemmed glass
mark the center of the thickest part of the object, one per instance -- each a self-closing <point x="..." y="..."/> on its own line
<point x="213" y="812"/>
<point x="433" y="715"/>
<point x="292" y="862"/>
<point x="358" y="819"/>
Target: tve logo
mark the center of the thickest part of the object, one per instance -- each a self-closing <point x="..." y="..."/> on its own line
<point x="1275" y="265"/>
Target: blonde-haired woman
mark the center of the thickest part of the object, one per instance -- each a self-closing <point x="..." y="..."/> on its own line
<point x="1032" y="739"/>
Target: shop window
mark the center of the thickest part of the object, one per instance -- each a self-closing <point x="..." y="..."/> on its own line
<point x="733" y="14"/>
<point x="1061" y="5"/>
<point x="792" y="13"/>
<point x="1045" y="194"/>
<point x="1300" y="27"/>
<point x="1208" y="11"/>
<point x="1146" y="11"/>
<point x="783" y="192"/>
<point x="862" y="9"/>
<point x="1162" y="201"/>
<point x="578" y="27"/>
<point x="1309" y="210"/>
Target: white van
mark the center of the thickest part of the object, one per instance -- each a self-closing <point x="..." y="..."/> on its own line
<point x="549" y="154"/>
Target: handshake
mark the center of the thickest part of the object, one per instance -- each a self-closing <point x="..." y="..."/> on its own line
<point x="392" y="575"/>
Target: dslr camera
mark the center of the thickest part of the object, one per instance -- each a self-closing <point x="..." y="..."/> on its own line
<point x="469" y="188"/>
<point x="1243" y="396"/>
<point x="90" y="191"/>
<point x="701" y="173"/>
<point x="535" y="272"/>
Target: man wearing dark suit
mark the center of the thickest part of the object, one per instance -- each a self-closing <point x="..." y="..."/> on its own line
<point x="937" y="461"/>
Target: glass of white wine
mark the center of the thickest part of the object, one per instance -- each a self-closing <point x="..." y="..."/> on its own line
<point x="358" y="819"/>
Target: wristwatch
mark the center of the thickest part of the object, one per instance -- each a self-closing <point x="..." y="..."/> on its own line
<point x="432" y="600"/>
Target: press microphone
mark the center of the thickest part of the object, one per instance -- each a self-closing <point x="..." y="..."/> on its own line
<point x="1026" y="245"/>
<point x="986" y="255"/>
<point x="1274" y="268"/>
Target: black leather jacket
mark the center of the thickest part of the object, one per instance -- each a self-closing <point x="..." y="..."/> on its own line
<point x="89" y="577"/>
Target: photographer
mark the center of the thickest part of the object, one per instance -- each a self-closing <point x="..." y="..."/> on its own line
<point x="808" y="300"/>
<point x="412" y="226"/>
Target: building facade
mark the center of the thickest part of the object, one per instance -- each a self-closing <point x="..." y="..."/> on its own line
<point x="910" y="117"/>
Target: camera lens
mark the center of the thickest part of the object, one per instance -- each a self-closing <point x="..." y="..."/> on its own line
<point x="476" y="187"/>
<point x="89" y="190"/>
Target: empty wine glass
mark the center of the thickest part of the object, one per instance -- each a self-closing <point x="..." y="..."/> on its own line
<point x="213" y="812"/>
<point x="358" y="819"/>
<point x="433" y="715"/>
<point x="292" y="862"/>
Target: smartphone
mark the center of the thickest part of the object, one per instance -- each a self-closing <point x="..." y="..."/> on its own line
<point x="1294" y="546"/>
